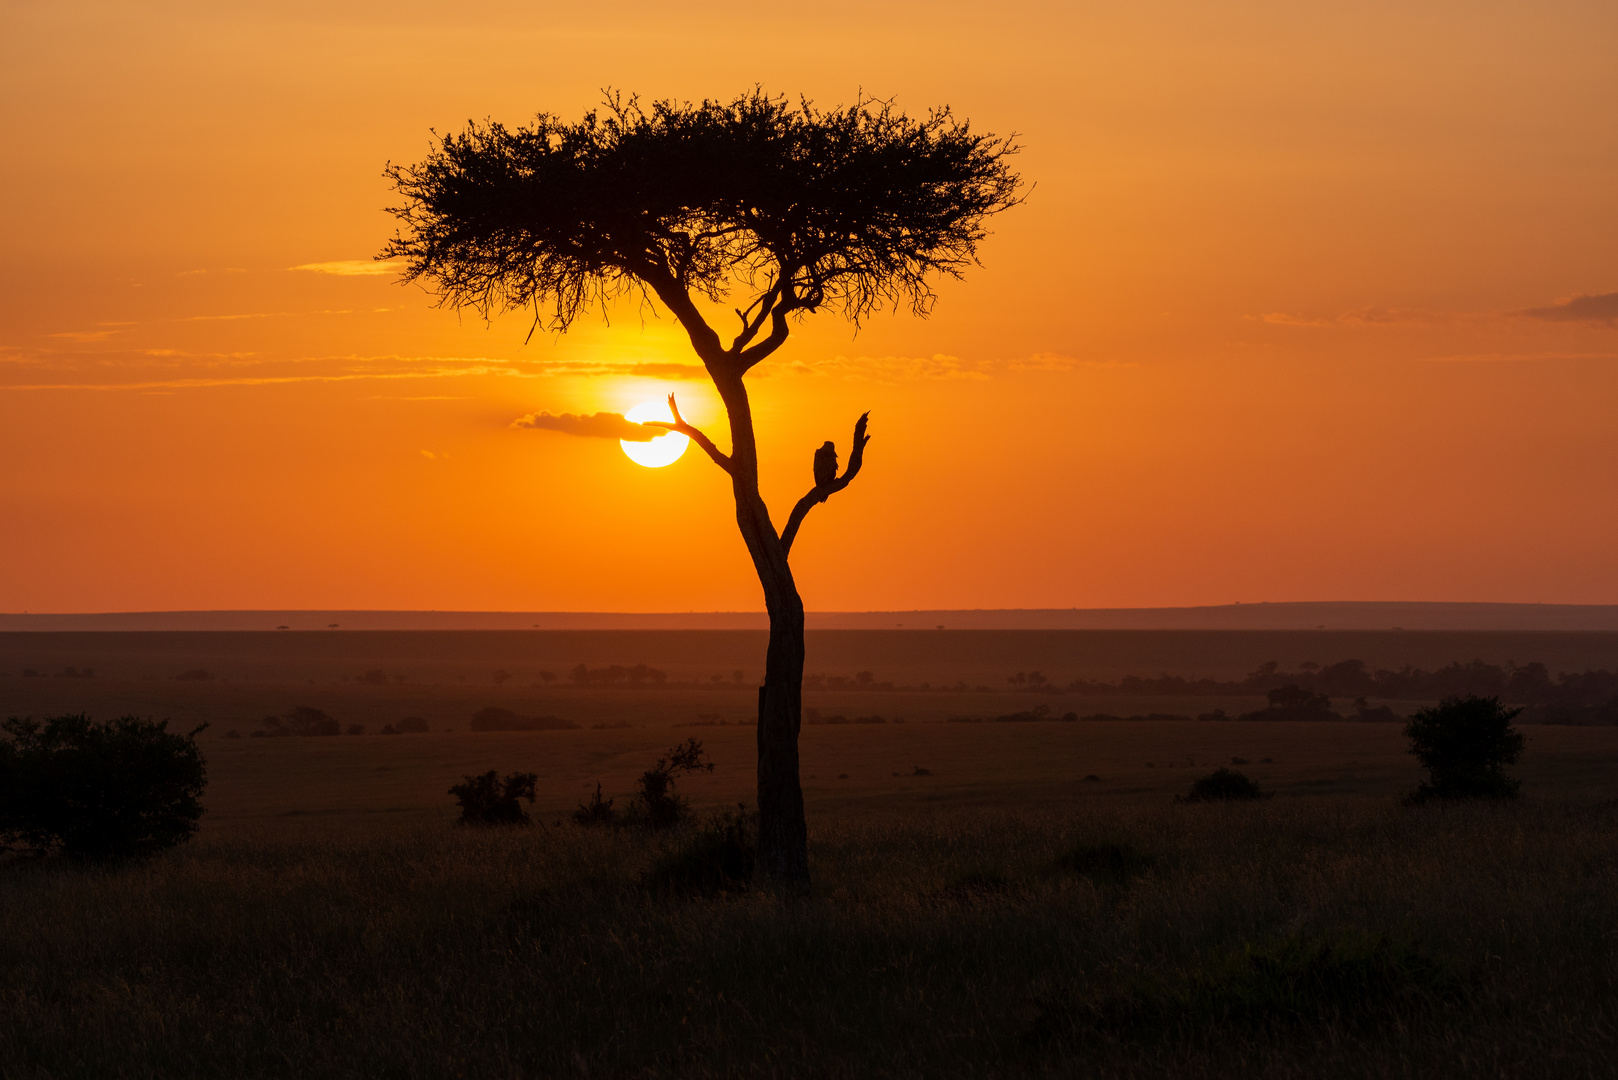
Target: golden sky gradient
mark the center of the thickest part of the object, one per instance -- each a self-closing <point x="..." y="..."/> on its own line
<point x="1286" y="316"/>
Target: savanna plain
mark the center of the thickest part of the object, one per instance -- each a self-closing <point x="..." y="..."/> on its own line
<point x="998" y="891"/>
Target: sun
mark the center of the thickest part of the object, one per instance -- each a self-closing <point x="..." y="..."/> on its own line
<point x="661" y="451"/>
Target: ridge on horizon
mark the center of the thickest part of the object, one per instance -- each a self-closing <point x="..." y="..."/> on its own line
<point x="1258" y="615"/>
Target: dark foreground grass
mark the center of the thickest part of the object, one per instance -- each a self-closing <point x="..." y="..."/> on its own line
<point x="1282" y="938"/>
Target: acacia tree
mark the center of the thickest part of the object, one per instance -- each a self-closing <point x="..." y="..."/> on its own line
<point x="789" y="208"/>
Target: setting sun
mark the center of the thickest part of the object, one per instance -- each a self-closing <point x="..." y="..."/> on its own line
<point x="661" y="451"/>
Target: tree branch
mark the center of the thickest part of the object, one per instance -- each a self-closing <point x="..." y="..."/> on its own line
<point x="765" y="303"/>
<point x="819" y="493"/>
<point x="720" y="458"/>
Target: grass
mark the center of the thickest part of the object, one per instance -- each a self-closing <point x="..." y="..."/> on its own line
<point x="1321" y="936"/>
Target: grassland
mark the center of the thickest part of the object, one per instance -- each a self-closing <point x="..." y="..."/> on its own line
<point x="1328" y="936"/>
<point x="1002" y="915"/>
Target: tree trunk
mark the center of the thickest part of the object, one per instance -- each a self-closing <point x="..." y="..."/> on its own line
<point x="783" y="834"/>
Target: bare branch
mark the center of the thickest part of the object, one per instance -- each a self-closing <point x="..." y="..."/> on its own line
<point x="821" y="492"/>
<point x="678" y="424"/>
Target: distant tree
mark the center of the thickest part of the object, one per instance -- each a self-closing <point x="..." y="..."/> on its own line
<point x="1465" y="743"/>
<point x="796" y="208"/>
<point x="125" y="788"/>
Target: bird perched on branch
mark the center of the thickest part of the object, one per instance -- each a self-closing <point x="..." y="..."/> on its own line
<point x="825" y="468"/>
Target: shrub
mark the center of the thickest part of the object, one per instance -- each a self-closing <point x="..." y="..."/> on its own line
<point x="412" y="725"/>
<point x="1223" y="785"/>
<point x="1464" y="743"/>
<point x="300" y="721"/>
<point x="122" y="789"/>
<point x="657" y="801"/>
<point x="597" y="811"/>
<point x="717" y="859"/>
<point x="489" y="800"/>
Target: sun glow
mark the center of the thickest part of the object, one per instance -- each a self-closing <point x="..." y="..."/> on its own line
<point x="661" y="451"/>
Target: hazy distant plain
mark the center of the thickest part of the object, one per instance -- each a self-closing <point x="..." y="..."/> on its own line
<point x="447" y="676"/>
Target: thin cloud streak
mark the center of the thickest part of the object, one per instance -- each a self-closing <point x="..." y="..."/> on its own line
<point x="601" y="425"/>
<point x="353" y="268"/>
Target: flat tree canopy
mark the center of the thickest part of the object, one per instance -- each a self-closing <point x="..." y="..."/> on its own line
<point x="848" y="209"/>
<point x="794" y="208"/>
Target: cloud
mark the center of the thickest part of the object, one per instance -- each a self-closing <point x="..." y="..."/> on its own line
<point x="1366" y="316"/>
<point x="601" y="425"/>
<point x="891" y="368"/>
<point x="353" y="268"/>
<point x="85" y="335"/>
<point x="1598" y="308"/>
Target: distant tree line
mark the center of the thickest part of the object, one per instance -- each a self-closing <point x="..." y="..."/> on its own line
<point x="617" y="675"/>
<point x="1531" y="684"/>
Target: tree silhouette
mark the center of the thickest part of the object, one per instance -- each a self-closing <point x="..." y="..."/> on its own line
<point x="790" y="208"/>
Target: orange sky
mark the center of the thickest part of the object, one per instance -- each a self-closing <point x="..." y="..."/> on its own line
<point x="1261" y="331"/>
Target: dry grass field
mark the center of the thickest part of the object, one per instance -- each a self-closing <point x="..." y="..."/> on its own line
<point x="1000" y="915"/>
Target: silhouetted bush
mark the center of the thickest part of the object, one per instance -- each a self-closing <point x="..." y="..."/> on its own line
<point x="658" y="806"/>
<point x="597" y="811"/>
<point x="352" y="729"/>
<point x="1223" y="785"/>
<point x="1294" y="703"/>
<point x="120" y="789"/>
<point x="717" y="859"/>
<point x="490" y="800"/>
<point x="495" y="718"/>
<point x="1464" y="743"/>
<point x="195" y="675"/>
<point x="300" y="721"/>
<point x="412" y="725"/>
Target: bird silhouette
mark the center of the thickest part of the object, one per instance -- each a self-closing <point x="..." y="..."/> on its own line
<point x="825" y="467"/>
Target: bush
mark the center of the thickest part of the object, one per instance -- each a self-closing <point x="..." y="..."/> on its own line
<point x="1464" y="743"/>
<point x="717" y="859"/>
<point x="658" y="804"/>
<point x="597" y="811"/>
<point x="122" y="789"/>
<point x="1223" y="785"/>
<point x="300" y="721"/>
<point x="489" y="800"/>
